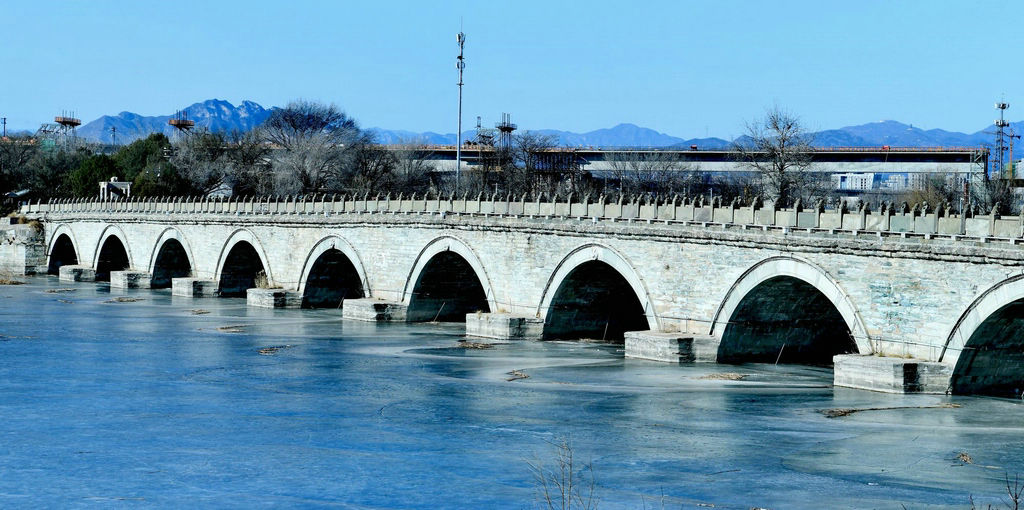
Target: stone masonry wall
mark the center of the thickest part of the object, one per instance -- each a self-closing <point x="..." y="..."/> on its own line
<point x="21" y="249"/>
<point x="909" y="291"/>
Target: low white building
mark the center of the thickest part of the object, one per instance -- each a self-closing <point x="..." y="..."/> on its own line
<point x="114" y="189"/>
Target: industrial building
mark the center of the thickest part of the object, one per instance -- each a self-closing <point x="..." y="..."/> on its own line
<point x="852" y="169"/>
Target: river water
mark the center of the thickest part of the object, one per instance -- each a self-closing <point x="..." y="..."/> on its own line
<point x="174" y="402"/>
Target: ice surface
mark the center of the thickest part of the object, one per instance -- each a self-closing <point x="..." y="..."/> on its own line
<point x="152" y="403"/>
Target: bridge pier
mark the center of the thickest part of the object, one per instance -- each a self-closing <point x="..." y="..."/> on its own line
<point x="194" y="287"/>
<point x="130" y="280"/>
<point x="373" y="310"/>
<point x="273" y="298"/>
<point x="503" y="326"/>
<point x="76" y="273"/>
<point x="891" y="375"/>
<point x="671" y="347"/>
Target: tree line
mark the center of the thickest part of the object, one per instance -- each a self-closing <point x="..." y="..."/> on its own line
<point x="312" y="148"/>
<point x="303" y="148"/>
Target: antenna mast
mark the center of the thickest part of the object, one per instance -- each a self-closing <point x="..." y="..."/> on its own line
<point x="1000" y="147"/>
<point x="460" y="63"/>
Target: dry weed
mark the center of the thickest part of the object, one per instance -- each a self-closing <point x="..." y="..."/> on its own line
<point x="516" y="375"/>
<point x="724" y="376"/>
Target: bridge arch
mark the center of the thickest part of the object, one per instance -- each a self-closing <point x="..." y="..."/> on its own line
<point x="598" y="310"/>
<point x="171" y="258"/>
<point x="112" y="253"/>
<point x="332" y="260"/>
<point x="447" y="281"/>
<point x="241" y="258"/>
<point x="803" y="297"/>
<point x="986" y="344"/>
<point x="62" y="249"/>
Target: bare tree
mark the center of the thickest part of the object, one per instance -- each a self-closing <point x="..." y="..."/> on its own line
<point x="250" y="171"/>
<point x="779" y="149"/>
<point x="936" y="189"/>
<point x="15" y="154"/>
<point x="413" y="169"/>
<point x="565" y="484"/>
<point x="372" y="170"/>
<point x="539" y="165"/>
<point x="524" y="173"/>
<point x="201" y="159"/>
<point x="997" y="194"/>
<point x="488" y="174"/>
<point x="650" y="171"/>
<point x="315" y="144"/>
<point x="743" y="186"/>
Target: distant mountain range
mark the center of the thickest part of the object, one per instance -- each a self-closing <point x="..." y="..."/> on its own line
<point x="222" y="116"/>
<point x="215" y="115"/>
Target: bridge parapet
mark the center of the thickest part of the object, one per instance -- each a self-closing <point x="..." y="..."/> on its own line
<point x="903" y="221"/>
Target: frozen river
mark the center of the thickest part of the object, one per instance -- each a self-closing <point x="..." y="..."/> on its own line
<point x="174" y="402"/>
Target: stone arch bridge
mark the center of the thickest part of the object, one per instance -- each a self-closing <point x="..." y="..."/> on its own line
<point x="899" y="300"/>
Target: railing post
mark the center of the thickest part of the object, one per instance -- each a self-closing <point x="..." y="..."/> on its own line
<point x="992" y="216"/>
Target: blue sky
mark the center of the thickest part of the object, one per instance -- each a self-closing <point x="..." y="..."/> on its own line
<point x="687" y="68"/>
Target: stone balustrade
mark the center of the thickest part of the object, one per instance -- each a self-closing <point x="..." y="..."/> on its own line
<point x="903" y="220"/>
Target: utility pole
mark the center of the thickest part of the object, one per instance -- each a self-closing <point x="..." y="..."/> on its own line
<point x="4" y="119"/>
<point x="460" y="64"/>
<point x="1011" y="172"/>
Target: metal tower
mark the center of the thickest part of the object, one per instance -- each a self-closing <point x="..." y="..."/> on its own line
<point x="1000" y="146"/>
<point x="181" y="122"/>
<point x="484" y="136"/>
<point x="68" y="128"/>
<point x="460" y="63"/>
<point x="505" y="127"/>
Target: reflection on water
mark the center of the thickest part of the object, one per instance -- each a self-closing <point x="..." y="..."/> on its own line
<point x="171" y="400"/>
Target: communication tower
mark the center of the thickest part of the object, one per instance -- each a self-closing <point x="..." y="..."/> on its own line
<point x="505" y="127"/>
<point x="1000" y="146"/>
<point x="460" y="64"/>
<point x="67" y="130"/>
